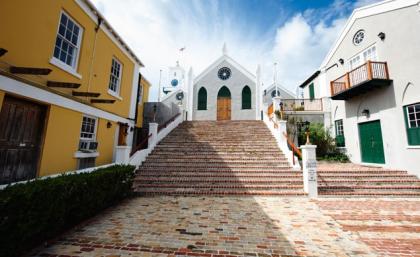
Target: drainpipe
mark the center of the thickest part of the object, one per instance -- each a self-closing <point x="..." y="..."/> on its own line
<point x="137" y="101"/>
<point x="93" y="52"/>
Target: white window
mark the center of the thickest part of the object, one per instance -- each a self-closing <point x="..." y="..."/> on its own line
<point x="413" y="115"/>
<point x="364" y="56"/>
<point x="115" y="77"/>
<point x="67" y="43"/>
<point x="88" y="130"/>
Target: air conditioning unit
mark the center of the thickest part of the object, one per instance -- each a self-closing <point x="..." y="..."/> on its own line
<point x="88" y="146"/>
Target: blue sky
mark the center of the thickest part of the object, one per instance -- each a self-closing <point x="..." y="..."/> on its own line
<point x="296" y="34"/>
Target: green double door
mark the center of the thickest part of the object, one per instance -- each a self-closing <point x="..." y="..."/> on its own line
<point x="371" y="144"/>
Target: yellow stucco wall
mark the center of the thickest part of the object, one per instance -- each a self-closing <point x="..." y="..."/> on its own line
<point x="145" y="97"/>
<point x="37" y="24"/>
<point x="61" y="141"/>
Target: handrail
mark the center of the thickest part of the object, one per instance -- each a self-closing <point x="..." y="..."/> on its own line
<point x="294" y="148"/>
<point x="164" y="125"/>
<point x="141" y="145"/>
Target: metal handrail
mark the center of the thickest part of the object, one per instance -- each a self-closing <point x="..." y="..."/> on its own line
<point x="164" y="125"/>
<point x="295" y="149"/>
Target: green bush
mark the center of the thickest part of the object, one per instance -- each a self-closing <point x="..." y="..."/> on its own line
<point x="326" y="145"/>
<point x="33" y="212"/>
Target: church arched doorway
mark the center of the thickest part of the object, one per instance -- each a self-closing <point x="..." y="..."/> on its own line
<point x="223" y="104"/>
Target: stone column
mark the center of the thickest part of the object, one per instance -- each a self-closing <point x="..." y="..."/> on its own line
<point x="153" y="129"/>
<point x="122" y="154"/>
<point x="310" y="184"/>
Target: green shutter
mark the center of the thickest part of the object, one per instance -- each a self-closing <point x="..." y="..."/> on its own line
<point x="311" y="91"/>
<point x="202" y="99"/>
<point x="246" y="98"/>
<point x="413" y="134"/>
<point x="339" y="137"/>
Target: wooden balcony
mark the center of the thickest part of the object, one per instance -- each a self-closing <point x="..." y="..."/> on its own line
<point x="360" y="80"/>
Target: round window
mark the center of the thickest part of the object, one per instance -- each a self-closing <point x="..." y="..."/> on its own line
<point x="358" y="37"/>
<point x="224" y="73"/>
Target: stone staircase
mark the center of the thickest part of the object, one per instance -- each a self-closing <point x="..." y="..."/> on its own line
<point x="362" y="181"/>
<point x="218" y="158"/>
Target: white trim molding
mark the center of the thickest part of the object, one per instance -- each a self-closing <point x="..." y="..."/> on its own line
<point x="79" y="154"/>
<point x="59" y="64"/>
<point x="16" y="87"/>
<point x="113" y="94"/>
<point x="134" y="91"/>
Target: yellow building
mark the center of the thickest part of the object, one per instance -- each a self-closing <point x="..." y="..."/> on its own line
<point x="68" y="88"/>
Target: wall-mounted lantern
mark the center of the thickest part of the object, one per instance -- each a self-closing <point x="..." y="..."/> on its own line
<point x="381" y="35"/>
<point x="108" y="124"/>
<point x="341" y="61"/>
<point x="366" y="113"/>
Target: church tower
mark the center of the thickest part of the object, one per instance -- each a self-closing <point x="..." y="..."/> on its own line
<point x="176" y="78"/>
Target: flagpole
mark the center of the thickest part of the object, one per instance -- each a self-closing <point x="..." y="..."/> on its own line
<point x="160" y="80"/>
<point x="275" y="79"/>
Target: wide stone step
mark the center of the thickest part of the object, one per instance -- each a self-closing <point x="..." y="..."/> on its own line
<point x="209" y="170"/>
<point x="179" y="175"/>
<point x="217" y="186"/>
<point x="356" y="172"/>
<point x="166" y="180"/>
<point x="217" y="162"/>
<point x="204" y="158"/>
<point x="238" y="192"/>
<point x="345" y="188"/>
<point x="200" y="151"/>
<point x="370" y="193"/>
<point x="148" y="164"/>
<point x="340" y="181"/>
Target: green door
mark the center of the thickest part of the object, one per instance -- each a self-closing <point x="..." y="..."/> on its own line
<point x="311" y="91"/>
<point x="371" y="145"/>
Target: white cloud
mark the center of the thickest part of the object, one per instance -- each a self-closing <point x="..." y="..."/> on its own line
<point x="156" y="29"/>
<point x="300" y="48"/>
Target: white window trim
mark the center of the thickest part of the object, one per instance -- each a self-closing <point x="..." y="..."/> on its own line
<point x="408" y="115"/>
<point x="116" y="93"/>
<point x="96" y="128"/>
<point x="113" y="94"/>
<point x="80" y="154"/>
<point x="60" y="64"/>
<point x="360" y="54"/>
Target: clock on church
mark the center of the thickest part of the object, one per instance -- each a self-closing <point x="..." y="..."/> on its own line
<point x="224" y="73"/>
<point x="174" y="82"/>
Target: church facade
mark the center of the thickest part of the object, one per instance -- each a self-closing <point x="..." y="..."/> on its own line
<point x="224" y="91"/>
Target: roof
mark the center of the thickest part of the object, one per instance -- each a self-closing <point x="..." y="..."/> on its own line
<point x="280" y="87"/>
<point x="111" y="30"/>
<point x="228" y="59"/>
<point x="309" y="80"/>
<point x="366" y="11"/>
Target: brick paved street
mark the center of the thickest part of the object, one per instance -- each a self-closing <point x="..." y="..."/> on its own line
<point x="247" y="226"/>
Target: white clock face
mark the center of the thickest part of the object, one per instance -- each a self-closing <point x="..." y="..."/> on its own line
<point x="224" y="73"/>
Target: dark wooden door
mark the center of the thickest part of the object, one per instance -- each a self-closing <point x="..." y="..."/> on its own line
<point x="223" y="108"/>
<point x="21" y="132"/>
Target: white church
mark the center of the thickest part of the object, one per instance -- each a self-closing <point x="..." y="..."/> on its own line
<point x="225" y="90"/>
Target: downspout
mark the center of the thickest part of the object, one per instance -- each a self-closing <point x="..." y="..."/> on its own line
<point x="137" y="101"/>
<point x="93" y="52"/>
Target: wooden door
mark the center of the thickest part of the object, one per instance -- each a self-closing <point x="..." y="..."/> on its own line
<point x="21" y="132"/>
<point x="371" y="144"/>
<point x="223" y="108"/>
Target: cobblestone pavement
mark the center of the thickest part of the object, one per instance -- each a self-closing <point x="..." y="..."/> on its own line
<point x="247" y="226"/>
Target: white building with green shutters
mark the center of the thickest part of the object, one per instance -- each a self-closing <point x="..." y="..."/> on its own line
<point x="372" y="76"/>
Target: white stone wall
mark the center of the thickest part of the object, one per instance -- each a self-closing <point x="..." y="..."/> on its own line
<point x="235" y="83"/>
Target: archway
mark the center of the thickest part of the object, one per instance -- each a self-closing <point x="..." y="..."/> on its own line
<point x="224" y="104"/>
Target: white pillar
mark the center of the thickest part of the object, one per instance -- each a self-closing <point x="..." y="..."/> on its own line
<point x="276" y="103"/>
<point x="122" y="154"/>
<point x="282" y="127"/>
<point x="190" y="94"/>
<point x="310" y="184"/>
<point x="153" y="130"/>
<point x="258" y="94"/>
